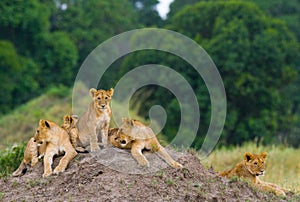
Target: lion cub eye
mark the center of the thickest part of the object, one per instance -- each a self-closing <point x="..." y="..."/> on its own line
<point x="255" y="163"/>
<point x="98" y="98"/>
<point x="106" y="97"/>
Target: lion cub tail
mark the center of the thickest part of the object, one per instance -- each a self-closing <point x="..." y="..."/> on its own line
<point x="21" y="170"/>
<point x="225" y="173"/>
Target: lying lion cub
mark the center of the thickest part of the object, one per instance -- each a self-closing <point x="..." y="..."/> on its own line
<point x="32" y="154"/>
<point x="250" y="168"/>
<point x="57" y="140"/>
<point x="97" y="117"/>
<point x="136" y="136"/>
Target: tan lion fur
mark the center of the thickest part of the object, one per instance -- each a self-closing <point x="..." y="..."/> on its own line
<point x="58" y="141"/>
<point x="32" y="154"/>
<point x="96" y="118"/>
<point x="250" y="169"/>
<point x="136" y="136"/>
<point x="69" y="125"/>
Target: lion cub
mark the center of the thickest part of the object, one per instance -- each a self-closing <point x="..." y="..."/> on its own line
<point x="136" y="136"/>
<point x="250" y="169"/>
<point x="70" y="126"/>
<point x="58" y="141"/>
<point x="97" y="117"/>
<point x="32" y="154"/>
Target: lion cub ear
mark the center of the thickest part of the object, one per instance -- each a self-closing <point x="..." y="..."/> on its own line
<point x="92" y="92"/>
<point x="74" y="118"/>
<point x="44" y="123"/>
<point x="264" y="154"/>
<point x="248" y="156"/>
<point x="110" y="92"/>
<point x="67" y="118"/>
<point x="132" y="122"/>
<point x="128" y="121"/>
<point x="125" y="120"/>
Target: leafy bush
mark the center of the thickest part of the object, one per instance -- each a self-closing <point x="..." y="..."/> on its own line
<point x="10" y="159"/>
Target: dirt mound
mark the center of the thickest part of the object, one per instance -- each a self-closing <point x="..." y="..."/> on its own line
<point x="104" y="177"/>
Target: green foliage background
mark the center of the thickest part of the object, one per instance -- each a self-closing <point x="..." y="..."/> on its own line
<point x="254" y="44"/>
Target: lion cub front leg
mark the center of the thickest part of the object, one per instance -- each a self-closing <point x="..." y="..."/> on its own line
<point x="34" y="161"/>
<point x="136" y="152"/>
<point x="162" y="152"/>
<point x="270" y="187"/>
<point x="104" y="134"/>
<point x="94" y="141"/>
<point x="70" y="153"/>
<point x="48" y="160"/>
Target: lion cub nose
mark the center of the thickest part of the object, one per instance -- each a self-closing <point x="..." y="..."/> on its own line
<point x="123" y="142"/>
<point x="103" y="106"/>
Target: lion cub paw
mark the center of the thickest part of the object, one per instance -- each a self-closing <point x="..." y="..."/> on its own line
<point x="280" y="192"/>
<point x="80" y="149"/>
<point x="177" y="165"/>
<point x="58" y="170"/>
<point x="144" y="164"/>
<point x="95" y="149"/>
<point x="47" y="174"/>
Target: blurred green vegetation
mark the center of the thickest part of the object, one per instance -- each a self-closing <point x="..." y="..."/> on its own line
<point x="254" y="44"/>
<point x="10" y="159"/>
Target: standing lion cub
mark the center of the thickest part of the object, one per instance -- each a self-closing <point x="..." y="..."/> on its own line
<point x="97" y="117"/>
<point x="136" y="136"/>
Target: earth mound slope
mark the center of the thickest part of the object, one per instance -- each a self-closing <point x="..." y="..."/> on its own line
<point x="113" y="175"/>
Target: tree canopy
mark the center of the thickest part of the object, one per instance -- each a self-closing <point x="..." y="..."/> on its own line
<point x="254" y="44"/>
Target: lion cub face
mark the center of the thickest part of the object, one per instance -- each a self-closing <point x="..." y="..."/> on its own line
<point x="69" y="122"/>
<point x="43" y="132"/>
<point x="123" y="140"/>
<point x="255" y="163"/>
<point x="119" y="139"/>
<point x="101" y="98"/>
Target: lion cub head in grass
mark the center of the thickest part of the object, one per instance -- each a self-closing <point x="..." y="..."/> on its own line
<point x="101" y="98"/>
<point x="252" y="166"/>
<point x="250" y="169"/>
<point x="255" y="163"/>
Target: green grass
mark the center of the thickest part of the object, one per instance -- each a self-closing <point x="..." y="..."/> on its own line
<point x="10" y="159"/>
<point x="20" y="124"/>
<point x="282" y="166"/>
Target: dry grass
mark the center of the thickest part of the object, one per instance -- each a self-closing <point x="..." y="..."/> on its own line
<point x="282" y="167"/>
